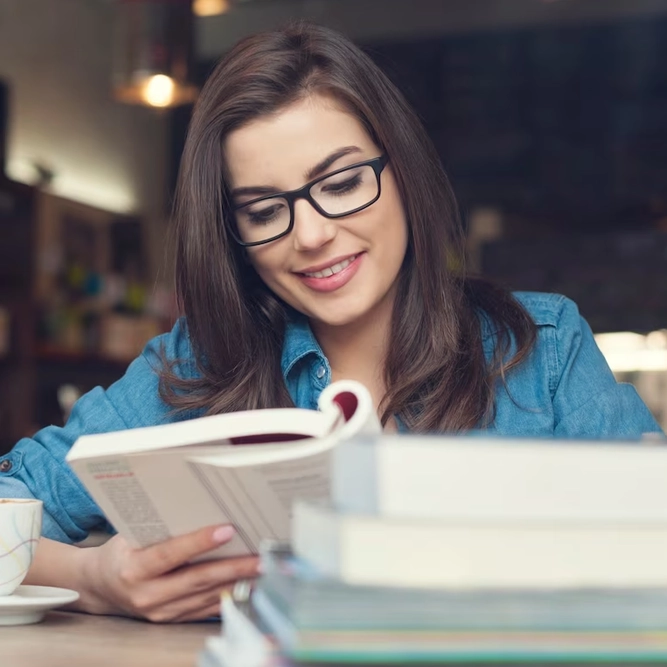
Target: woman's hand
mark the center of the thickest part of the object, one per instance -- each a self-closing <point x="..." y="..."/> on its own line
<point x="156" y="583"/>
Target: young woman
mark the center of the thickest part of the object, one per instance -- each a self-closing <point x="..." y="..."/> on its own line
<point x="314" y="229"/>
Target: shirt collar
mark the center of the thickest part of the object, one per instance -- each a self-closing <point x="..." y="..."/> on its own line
<point x="299" y="343"/>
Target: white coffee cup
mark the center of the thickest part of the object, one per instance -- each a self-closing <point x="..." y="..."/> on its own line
<point x="20" y="528"/>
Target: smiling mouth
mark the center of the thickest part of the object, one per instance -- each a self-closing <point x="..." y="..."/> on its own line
<point x="333" y="269"/>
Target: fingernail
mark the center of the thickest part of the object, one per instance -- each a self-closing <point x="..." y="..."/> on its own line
<point x="223" y="534"/>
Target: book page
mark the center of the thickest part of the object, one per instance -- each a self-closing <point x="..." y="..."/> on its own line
<point x="256" y="486"/>
<point x="354" y="401"/>
<point x="266" y="425"/>
<point x="154" y="496"/>
<point x="258" y="499"/>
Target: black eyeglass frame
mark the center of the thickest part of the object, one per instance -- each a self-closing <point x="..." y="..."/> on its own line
<point x="377" y="164"/>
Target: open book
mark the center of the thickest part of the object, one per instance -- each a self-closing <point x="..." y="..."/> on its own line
<point x="244" y="468"/>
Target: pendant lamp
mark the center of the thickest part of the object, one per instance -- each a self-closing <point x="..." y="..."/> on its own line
<point x="153" y="58"/>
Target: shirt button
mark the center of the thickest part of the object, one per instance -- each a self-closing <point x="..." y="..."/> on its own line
<point x="5" y="466"/>
<point x="321" y="371"/>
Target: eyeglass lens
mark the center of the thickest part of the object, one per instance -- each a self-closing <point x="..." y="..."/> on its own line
<point x="337" y="194"/>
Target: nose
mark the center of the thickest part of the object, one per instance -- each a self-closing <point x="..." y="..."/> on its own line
<point x="311" y="229"/>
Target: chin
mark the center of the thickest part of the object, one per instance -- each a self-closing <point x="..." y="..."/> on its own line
<point x="336" y="319"/>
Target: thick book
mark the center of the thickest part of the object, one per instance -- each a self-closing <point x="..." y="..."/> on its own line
<point x="413" y="646"/>
<point x="313" y="601"/>
<point x="265" y="637"/>
<point x="489" y="478"/>
<point x="244" y="468"/>
<point x="481" y="554"/>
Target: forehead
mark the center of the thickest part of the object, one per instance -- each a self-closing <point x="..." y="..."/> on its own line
<point x="277" y="149"/>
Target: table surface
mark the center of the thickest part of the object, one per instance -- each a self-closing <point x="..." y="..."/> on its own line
<point x="66" y="639"/>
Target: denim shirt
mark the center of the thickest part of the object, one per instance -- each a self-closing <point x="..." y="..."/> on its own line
<point x="564" y="389"/>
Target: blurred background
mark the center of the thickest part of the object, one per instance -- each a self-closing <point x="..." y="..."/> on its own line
<point x="549" y="115"/>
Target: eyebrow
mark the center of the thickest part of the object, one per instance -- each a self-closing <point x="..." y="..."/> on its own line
<point x="313" y="172"/>
<point x="322" y="166"/>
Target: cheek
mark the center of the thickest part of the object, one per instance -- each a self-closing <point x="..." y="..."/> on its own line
<point x="395" y="228"/>
<point x="395" y="225"/>
<point x="266" y="262"/>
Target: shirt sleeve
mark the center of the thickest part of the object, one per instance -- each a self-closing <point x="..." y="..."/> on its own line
<point x="588" y="401"/>
<point x="36" y="466"/>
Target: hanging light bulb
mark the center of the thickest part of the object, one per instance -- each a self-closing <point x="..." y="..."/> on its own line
<point x="154" y="52"/>
<point x="159" y="91"/>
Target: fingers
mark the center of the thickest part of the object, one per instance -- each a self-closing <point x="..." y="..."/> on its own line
<point x="193" y="608"/>
<point x="220" y="573"/>
<point x="201" y="614"/>
<point x="166" y="556"/>
<point x="202" y="599"/>
<point x="159" y="583"/>
<point x="194" y="580"/>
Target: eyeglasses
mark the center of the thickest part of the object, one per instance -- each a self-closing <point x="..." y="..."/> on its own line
<point x="334" y="195"/>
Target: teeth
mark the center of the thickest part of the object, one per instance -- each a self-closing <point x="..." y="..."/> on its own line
<point x="331" y="270"/>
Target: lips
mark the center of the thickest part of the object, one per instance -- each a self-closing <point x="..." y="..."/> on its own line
<point x="331" y="278"/>
<point x="331" y="270"/>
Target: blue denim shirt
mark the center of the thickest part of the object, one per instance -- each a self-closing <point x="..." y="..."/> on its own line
<point x="564" y="389"/>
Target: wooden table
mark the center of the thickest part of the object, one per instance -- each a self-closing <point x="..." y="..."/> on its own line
<point x="66" y="639"/>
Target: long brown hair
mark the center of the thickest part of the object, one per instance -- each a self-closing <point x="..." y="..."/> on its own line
<point x="437" y="376"/>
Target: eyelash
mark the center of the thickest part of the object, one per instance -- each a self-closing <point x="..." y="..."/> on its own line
<point x="347" y="186"/>
<point x="257" y="217"/>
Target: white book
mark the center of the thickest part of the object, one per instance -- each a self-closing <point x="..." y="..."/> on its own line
<point x="429" y="477"/>
<point x="244" y="468"/>
<point x="450" y="554"/>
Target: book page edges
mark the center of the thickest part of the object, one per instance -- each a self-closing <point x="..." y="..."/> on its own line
<point x="210" y="430"/>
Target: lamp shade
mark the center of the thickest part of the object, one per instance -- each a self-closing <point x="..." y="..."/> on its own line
<point x="210" y="7"/>
<point x="153" y="52"/>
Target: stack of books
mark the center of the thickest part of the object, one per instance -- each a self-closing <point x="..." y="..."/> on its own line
<point x="442" y="550"/>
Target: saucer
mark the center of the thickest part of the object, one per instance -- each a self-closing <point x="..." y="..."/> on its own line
<point x="28" y="604"/>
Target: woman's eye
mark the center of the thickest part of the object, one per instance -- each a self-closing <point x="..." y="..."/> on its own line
<point x="265" y="215"/>
<point x="342" y="187"/>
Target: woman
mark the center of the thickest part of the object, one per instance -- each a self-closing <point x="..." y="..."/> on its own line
<point x="314" y="229"/>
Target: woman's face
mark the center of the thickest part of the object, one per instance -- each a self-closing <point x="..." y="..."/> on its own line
<point x="334" y="271"/>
